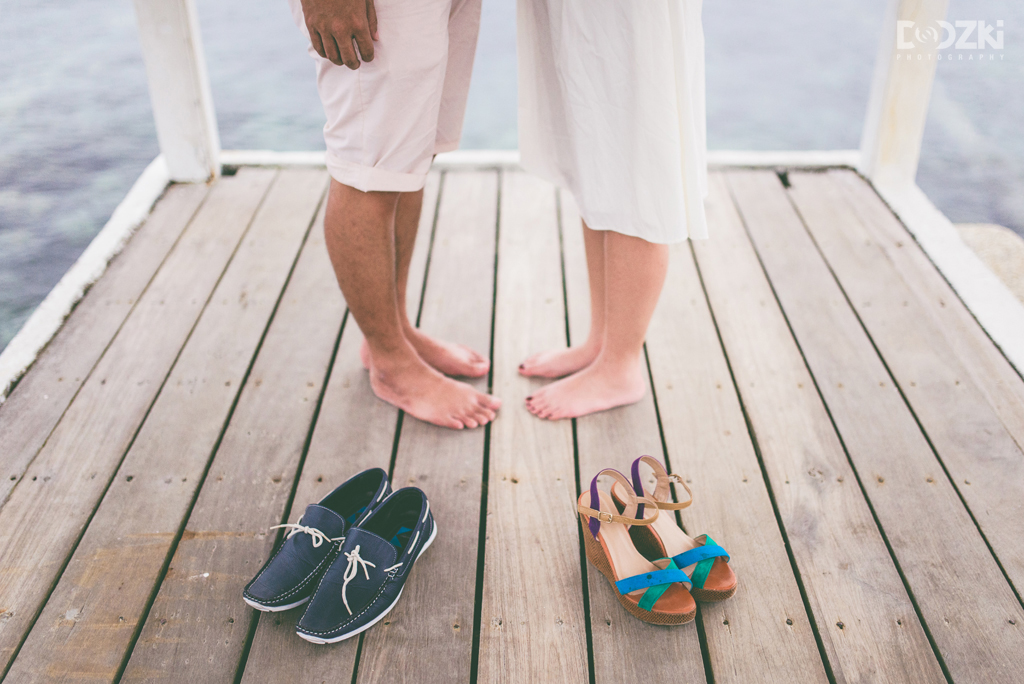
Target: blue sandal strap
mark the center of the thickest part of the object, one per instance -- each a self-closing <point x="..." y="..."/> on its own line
<point x="699" y="554"/>
<point x="704" y="557"/>
<point x="650" y="579"/>
<point x="667" y="576"/>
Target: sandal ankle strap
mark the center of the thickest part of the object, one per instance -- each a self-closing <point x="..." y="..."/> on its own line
<point x="598" y="516"/>
<point x="662" y="491"/>
<point x="606" y="517"/>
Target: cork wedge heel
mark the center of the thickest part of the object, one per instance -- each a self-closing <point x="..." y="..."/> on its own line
<point x="654" y="591"/>
<point x="705" y="561"/>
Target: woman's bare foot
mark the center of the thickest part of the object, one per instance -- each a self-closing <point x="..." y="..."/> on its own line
<point x="600" y="386"/>
<point x="447" y="357"/>
<point x="424" y="393"/>
<point x="557" y="363"/>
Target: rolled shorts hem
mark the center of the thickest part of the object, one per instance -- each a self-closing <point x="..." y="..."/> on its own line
<point x="371" y="178"/>
<point x="440" y="148"/>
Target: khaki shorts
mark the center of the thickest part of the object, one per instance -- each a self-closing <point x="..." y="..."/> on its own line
<point x="388" y="118"/>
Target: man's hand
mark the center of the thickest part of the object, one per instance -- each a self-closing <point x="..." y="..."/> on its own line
<point x="336" y="27"/>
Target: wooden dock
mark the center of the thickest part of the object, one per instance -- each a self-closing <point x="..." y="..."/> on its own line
<point x="851" y="435"/>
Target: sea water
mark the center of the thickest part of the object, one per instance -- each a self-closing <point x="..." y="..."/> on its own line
<point x="76" y="127"/>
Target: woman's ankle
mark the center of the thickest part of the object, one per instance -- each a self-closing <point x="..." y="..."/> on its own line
<point x="619" y="361"/>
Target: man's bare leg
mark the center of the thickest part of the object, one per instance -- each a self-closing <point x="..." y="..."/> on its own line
<point x="556" y="363"/>
<point x="359" y="231"/>
<point x="634" y="275"/>
<point x="447" y="357"/>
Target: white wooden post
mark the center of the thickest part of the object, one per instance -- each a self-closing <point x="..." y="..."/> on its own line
<point x="898" y="108"/>
<point x="179" y="88"/>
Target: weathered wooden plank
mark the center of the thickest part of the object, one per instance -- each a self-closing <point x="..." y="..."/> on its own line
<point x="424" y="238"/>
<point x="39" y="400"/>
<point x="624" y="648"/>
<point x="428" y="636"/>
<point x="78" y="461"/>
<point x="763" y="633"/>
<point x="992" y="373"/>
<point x="92" y="614"/>
<point x="197" y="628"/>
<point x="532" y="622"/>
<point x="354" y="431"/>
<point x="262" y="448"/>
<point x="866" y="621"/>
<point x="982" y="458"/>
<point x="932" y="536"/>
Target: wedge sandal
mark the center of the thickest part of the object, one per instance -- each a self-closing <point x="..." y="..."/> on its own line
<point x="701" y="558"/>
<point x="653" y="591"/>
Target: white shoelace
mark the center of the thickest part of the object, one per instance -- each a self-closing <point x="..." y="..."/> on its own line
<point x="355" y="562"/>
<point x="351" y="570"/>
<point x="318" y="536"/>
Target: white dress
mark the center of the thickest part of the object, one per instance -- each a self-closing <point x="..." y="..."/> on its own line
<point x="611" y="108"/>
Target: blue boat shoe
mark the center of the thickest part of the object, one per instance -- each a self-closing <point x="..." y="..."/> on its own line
<point x="289" y="578"/>
<point x="366" y="578"/>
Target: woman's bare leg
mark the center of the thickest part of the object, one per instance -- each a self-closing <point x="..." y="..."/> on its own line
<point x="448" y="357"/>
<point x="556" y="363"/>
<point x="634" y="275"/>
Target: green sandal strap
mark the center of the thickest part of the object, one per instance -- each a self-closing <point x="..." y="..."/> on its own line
<point x="657" y="583"/>
<point x="704" y="556"/>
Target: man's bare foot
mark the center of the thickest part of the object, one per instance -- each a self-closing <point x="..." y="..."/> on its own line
<point x="424" y="393"/>
<point x="597" y="387"/>
<point x="557" y="363"/>
<point x="447" y="357"/>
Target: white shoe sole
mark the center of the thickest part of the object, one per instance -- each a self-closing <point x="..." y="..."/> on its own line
<point x="274" y="609"/>
<point x="371" y="623"/>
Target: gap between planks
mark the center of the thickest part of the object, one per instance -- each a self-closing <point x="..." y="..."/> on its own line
<point x="139" y="518"/>
<point x="77" y="463"/>
<point x="353" y="431"/>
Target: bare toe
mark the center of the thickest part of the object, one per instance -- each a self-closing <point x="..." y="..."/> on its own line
<point x="557" y="363"/>
<point x="527" y="367"/>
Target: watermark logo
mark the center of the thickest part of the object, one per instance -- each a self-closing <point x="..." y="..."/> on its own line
<point x="965" y="39"/>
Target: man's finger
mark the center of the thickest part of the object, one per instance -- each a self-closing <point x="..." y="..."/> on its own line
<point x="371" y="15"/>
<point x="348" y="53"/>
<point x="318" y="44"/>
<point x="331" y="49"/>
<point x="365" y="44"/>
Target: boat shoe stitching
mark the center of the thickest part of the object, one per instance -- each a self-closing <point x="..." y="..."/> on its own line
<point x="318" y="540"/>
<point x="394" y="568"/>
<point x="281" y="548"/>
<point x="341" y="625"/>
<point x="390" y="576"/>
<point x="296" y="588"/>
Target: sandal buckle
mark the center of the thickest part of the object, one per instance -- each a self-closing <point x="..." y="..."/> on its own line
<point x="601" y="516"/>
